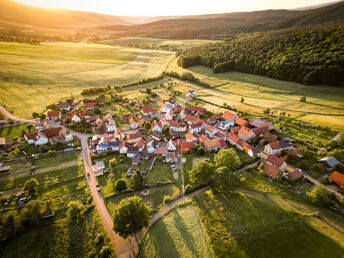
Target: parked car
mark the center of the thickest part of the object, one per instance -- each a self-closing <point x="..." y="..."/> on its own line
<point x="126" y="191"/>
<point x="97" y="186"/>
<point x="147" y="185"/>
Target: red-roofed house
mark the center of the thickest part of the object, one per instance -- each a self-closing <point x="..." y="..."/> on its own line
<point x="234" y="140"/>
<point x="190" y="138"/>
<point x="272" y="171"/>
<point x="37" y="138"/>
<point x="221" y="136"/>
<point x="176" y="126"/>
<point x="157" y="127"/>
<point x="202" y="138"/>
<point x="246" y="133"/>
<point x="337" y="178"/>
<point x="212" y="120"/>
<point x="210" y="131"/>
<point x="133" y="122"/>
<point x="196" y="128"/>
<point x="133" y="138"/>
<point x="280" y="163"/>
<point x="54" y="115"/>
<point x="212" y="145"/>
<point x="186" y="146"/>
<point x="195" y="110"/>
<point x="239" y="121"/>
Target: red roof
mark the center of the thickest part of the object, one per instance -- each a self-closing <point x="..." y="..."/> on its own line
<point x="160" y="150"/>
<point x="214" y="118"/>
<point x="134" y="136"/>
<point x="228" y="115"/>
<point x="275" y="145"/>
<point x="197" y="125"/>
<point x="240" y="121"/>
<point x="186" y="146"/>
<point x="271" y="170"/>
<point x="210" y="129"/>
<point x="275" y="160"/>
<point x="52" y="114"/>
<point x="190" y="136"/>
<point x="140" y="144"/>
<point x="296" y="174"/>
<point x="337" y="178"/>
<point x="147" y="110"/>
<point x="195" y="109"/>
<point x="233" y="137"/>
<point x="220" y="135"/>
<point x="173" y="123"/>
<point x="223" y="143"/>
<point x="245" y="131"/>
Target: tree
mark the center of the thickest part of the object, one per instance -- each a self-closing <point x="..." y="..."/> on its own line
<point x="266" y="111"/>
<point x="105" y="252"/>
<point x="99" y="241"/>
<point x="51" y="153"/>
<point x="224" y="179"/>
<point x="202" y="173"/>
<point x="75" y="211"/>
<point x="319" y="195"/>
<point x="121" y="185"/>
<point x="29" y="127"/>
<point x="97" y="111"/>
<point x="131" y="216"/>
<point x="35" y="115"/>
<point x="10" y="225"/>
<point x="227" y="158"/>
<point x="43" y="116"/>
<point x="303" y="99"/>
<point x="148" y="126"/>
<point x="32" y="212"/>
<point x="48" y="208"/>
<point x="64" y="111"/>
<point x="113" y="162"/>
<point x="136" y="181"/>
<point x="31" y="186"/>
<point x="242" y="100"/>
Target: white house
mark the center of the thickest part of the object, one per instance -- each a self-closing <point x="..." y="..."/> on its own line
<point x="171" y="145"/>
<point x="228" y="120"/>
<point x="54" y="115"/>
<point x="123" y="148"/>
<point x="157" y="127"/>
<point x="38" y="138"/>
<point x="102" y="147"/>
<point x="134" y="124"/>
<point x="132" y="151"/>
<point x="196" y="128"/>
<point x="210" y="131"/>
<point x="151" y="147"/>
<point x="114" y="146"/>
<point x="275" y="148"/>
<point x="176" y="126"/>
<point x="169" y="115"/>
<point x="111" y="125"/>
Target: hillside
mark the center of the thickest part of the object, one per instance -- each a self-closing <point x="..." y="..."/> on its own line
<point x="225" y="25"/>
<point x="285" y="55"/>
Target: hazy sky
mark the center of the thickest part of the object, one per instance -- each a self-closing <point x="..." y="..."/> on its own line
<point x="174" y="7"/>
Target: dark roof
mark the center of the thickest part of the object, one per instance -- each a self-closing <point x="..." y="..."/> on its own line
<point x="331" y="161"/>
<point x="275" y="160"/>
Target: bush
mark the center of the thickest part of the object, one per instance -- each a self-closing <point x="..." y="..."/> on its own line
<point x="167" y="199"/>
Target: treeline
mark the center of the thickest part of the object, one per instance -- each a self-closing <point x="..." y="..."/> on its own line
<point x="187" y="77"/>
<point x="314" y="56"/>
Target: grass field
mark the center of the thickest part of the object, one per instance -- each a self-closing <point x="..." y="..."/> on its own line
<point x="257" y="225"/>
<point x="11" y="131"/>
<point x="33" y="77"/>
<point x="324" y="105"/>
<point x="180" y="233"/>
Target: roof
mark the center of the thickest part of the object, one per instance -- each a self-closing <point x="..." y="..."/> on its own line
<point x="132" y="119"/>
<point x="210" y="129"/>
<point x="2" y="141"/>
<point x="223" y="143"/>
<point x="245" y="131"/>
<point x="195" y="109"/>
<point x="271" y="170"/>
<point x="103" y="146"/>
<point x="140" y="143"/>
<point x="173" y="123"/>
<point x="136" y="158"/>
<point x="270" y="137"/>
<point x="264" y="155"/>
<point x="89" y="105"/>
<point x="337" y="178"/>
<point x="331" y="161"/>
<point x="220" y="135"/>
<point x="275" y="145"/>
<point x="203" y="137"/>
<point x="256" y="122"/>
<point x="147" y="110"/>
<point x="296" y="174"/>
<point x="189" y="136"/>
<point x="285" y="144"/>
<point x="196" y="125"/>
<point x="260" y="130"/>
<point x="36" y="135"/>
<point x="64" y="105"/>
<point x="236" y="129"/>
<point x="161" y="150"/>
<point x="211" y="144"/>
<point x="228" y="115"/>
<point x="52" y="131"/>
<point x="255" y="150"/>
<point x="275" y="160"/>
<point x="54" y="114"/>
<point x="214" y="118"/>
<point x="233" y="137"/>
<point x="133" y="150"/>
<point x="186" y="146"/>
<point x="240" y="121"/>
<point x="134" y="136"/>
<point x="155" y="123"/>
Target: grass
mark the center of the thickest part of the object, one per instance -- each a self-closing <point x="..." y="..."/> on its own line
<point x="160" y="172"/>
<point x="179" y="233"/>
<point x="33" y="77"/>
<point x="324" y="105"/>
<point x="242" y="225"/>
<point x="10" y="132"/>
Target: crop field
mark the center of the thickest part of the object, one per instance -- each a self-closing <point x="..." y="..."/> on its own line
<point x="324" y="105"/>
<point x="10" y="132"/>
<point x="250" y="224"/>
<point x="180" y="233"/>
<point x="33" y="77"/>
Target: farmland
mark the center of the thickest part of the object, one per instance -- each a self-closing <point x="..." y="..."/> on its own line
<point x="323" y="106"/>
<point x="33" y="77"/>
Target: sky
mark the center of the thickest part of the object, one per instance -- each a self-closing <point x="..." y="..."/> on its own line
<point x="169" y="8"/>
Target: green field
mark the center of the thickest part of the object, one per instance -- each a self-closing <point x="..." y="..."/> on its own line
<point x="33" y="77"/>
<point x="179" y="233"/>
<point x="256" y="225"/>
<point x="12" y="131"/>
<point x="324" y="105"/>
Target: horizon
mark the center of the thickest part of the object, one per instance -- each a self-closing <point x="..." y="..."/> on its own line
<point x="153" y="8"/>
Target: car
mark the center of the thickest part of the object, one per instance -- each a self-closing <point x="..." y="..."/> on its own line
<point x="147" y="185"/>
<point x="97" y="185"/>
<point x="159" y="183"/>
<point x="126" y="191"/>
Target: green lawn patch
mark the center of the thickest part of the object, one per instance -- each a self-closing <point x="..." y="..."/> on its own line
<point x="12" y="131"/>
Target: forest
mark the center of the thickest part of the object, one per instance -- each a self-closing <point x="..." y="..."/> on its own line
<point x="309" y="56"/>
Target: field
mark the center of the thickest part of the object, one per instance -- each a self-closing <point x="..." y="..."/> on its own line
<point x="250" y="224"/>
<point x="180" y="233"/>
<point x="323" y="106"/>
<point x="11" y="131"/>
<point x="33" y="77"/>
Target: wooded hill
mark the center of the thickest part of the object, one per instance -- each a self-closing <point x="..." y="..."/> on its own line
<point x="308" y="56"/>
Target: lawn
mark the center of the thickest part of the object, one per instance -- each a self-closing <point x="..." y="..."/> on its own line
<point x="160" y="172"/>
<point x="12" y="131"/>
<point x="179" y="233"/>
<point x="33" y="77"/>
<point x="324" y="105"/>
<point x="243" y="225"/>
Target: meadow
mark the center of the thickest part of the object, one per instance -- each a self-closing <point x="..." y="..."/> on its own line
<point x="324" y="105"/>
<point x="33" y="77"/>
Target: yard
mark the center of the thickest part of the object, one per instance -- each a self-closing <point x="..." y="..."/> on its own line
<point x="179" y="233"/>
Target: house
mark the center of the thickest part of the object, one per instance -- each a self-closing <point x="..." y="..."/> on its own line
<point x="110" y="125"/>
<point x="195" y="110"/>
<point x="157" y="127"/>
<point x="293" y="173"/>
<point x="329" y="162"/>
<point x="64" y="105"/>
<point x="212" y="145"/>
<point x="89" y="106"/>
<point x="161" y="150"/>
<point x="133" y="122"/>
<point x="132" y="151"/>
<point x="258" y="123"/>
<point x="210" y="131"/>
<point x="260" y="130"/>
<point x="337" y="178"/>
<point x="240" y="122"/>
<point x="202" y="138"/>
<point x="191" y="138"/>
<point x="186" y="146"/>
<point x="272" y="171"/>
<point x="176" y="126"/>
<point x="171" y="157"/>
<point x="171" y="145"/>
<point x="151" y="146"/>
<point x="168" y="104"/>
<point x="190" y="94"/>
<point x="227" y="120"/>
<point x="102" y="147"/>
<point x="98" y="168"/>
<point x="270" y="137"/>
<point x="275" y="148"/>
<point x="38" y="138"/>
<point x="76" y="117"/>
<point x="234" y="140"/>
<point x="124" y="148"/>
<point x="157" y="136"/>
<point x="140" y="145"/>
<point x="99" y="121"/>
<point x="169" y="115"/>
<point x="263" y="157"/>
<point x="4" y="169"/>
<point x="196" y="128"/>
<point x="148" y="111"/>
<point x="106" y="139"/>
<point x="221" y="136"/>
<point x="253" y="152"/>
<point x="246" y="133"/>
<point x="133" y="138"/>
<point x="280" y="163"/>
<point x="213" y="120"/>
<point x="114" y="146"/>
<point x="117" y="133"/>
<point x="57" y="138"/>
<point x="54" y="115"/>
